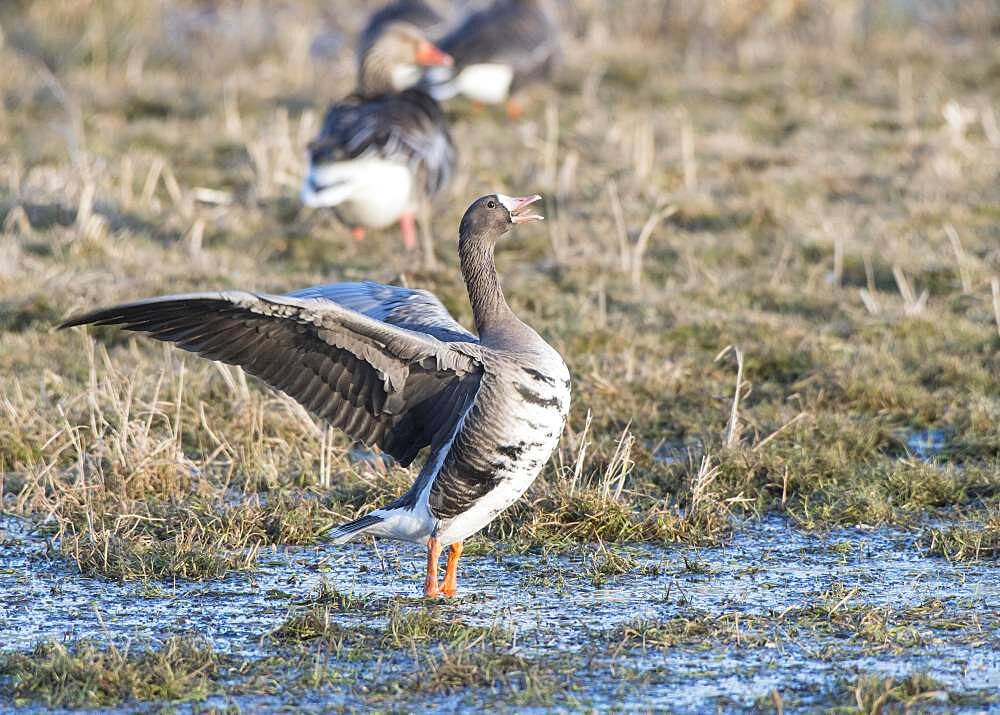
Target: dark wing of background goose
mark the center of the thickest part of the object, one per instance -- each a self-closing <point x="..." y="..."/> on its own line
<point x="408" y="126"/>
<point x="518" y="33"/>
<point x="385" y="386"/>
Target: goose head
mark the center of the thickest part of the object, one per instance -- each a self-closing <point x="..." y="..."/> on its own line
<point x="484" y="222"/>
<point x="395" y="60"/>
<point x="490" y="217"/>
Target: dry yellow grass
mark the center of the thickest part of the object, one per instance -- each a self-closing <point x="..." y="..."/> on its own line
<point x="815" y="185"/>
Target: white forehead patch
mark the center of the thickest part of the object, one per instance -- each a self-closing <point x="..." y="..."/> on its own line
<point x="507" y="201"/>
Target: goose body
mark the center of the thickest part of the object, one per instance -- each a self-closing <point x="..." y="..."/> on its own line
<point x="368" y="191"/>
<point x="486" y="82"/>
<point x="499" y="444"/>
<point x="497" y="51"/>
<point x="504" y="440"/>
<point x="393" y="369"/>
<point x="386" y="147"/>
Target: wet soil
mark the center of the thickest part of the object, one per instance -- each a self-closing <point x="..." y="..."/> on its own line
<point x="777" y="579"/>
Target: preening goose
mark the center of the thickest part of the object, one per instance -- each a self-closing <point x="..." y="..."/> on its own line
<point x="386" y="147"/>
<point x="392" y="368"/>
<point x="497" y="51"/>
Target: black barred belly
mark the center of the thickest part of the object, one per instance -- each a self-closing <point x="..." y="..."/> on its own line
<point x="508" y="435"/>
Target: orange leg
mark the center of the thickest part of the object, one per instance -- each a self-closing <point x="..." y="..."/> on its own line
<point x="433" y="554"/>
<point x="409" y="228"/>
<point x="450" y="586"/>
<point x="358" y="232"/>
<point x="515" y="110"/>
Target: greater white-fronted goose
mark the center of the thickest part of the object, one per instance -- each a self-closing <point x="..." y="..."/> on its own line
<point x="498" y="51"/>
<point x="393" y="369"/>
<point x="386" y="147"/>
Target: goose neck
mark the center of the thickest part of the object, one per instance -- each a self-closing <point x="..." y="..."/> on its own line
<point x="489" y="306"/>
<point x="375" y="74"/>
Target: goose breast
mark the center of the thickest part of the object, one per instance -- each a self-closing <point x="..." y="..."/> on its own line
<point x="505" y="440"/>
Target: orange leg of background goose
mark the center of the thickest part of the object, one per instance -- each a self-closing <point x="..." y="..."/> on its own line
<point x="409" y="228"/>
<point x="433" y="554"/>
<point x="515" y="110"/>
<point x="358" y="232"/>
<point x="450" y="585"/>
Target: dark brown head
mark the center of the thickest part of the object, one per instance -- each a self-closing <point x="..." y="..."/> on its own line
<point x="393" y="62"/>
<point x="490" y="217"/>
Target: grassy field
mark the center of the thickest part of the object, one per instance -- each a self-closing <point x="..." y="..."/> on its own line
<point x="771" y="261"/>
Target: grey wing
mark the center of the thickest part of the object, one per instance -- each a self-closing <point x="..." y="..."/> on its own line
<point x="409" y="308"/>
<point x="383" y="385"/>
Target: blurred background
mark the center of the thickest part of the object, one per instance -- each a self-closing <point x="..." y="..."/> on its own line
<point x="194" y="115"/>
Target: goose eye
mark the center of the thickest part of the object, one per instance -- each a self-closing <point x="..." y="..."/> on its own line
<point x="491" y="204"/>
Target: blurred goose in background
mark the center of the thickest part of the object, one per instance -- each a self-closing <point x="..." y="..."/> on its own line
<point x="497" y="51"/>
<point x="425" y="16"/>
<point x="385" y="148"/>
<point x="392" y="368"/>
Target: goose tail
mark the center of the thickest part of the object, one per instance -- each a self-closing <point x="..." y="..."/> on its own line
<point x="316" y="194"/>
<point x="345" y="532"/>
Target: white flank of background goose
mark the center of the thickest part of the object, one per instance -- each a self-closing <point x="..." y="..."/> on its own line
<point x="386" y="147"/>
<point x="497" y="51"/>
<point x="392" y="368"/>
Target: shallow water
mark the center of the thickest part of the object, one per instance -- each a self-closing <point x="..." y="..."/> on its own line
<point x="553" y="606"/>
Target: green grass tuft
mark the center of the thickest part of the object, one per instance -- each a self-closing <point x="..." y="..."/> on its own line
<point x="83" y="674"/>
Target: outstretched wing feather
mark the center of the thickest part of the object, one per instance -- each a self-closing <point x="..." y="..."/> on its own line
<point x="366" y="376"/>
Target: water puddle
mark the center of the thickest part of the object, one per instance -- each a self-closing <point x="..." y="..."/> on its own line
<point x="768" y="574"/>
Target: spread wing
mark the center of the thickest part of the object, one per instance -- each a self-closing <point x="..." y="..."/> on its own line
<point x="408" y="127"/>
<point x="384" y="385"/>
<point x="408" y="308"/>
